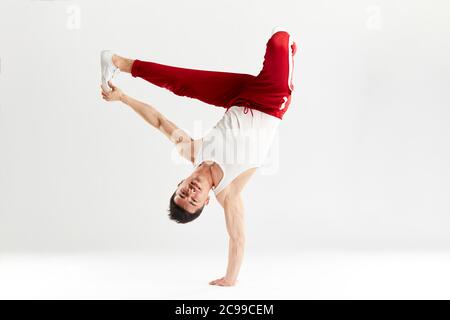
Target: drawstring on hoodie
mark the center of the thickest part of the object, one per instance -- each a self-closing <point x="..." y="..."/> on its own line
<point x="247" y="106"/>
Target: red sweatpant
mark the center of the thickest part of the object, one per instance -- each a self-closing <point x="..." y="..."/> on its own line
<point x="269" y="91"/>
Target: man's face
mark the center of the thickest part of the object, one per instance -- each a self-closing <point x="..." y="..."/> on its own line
<point x="191" y="194"/>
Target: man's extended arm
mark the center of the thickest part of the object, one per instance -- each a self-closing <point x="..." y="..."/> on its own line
<point x="233" y="207"/>
<point x="183" y="142"/>
<point x="234" y="218"/>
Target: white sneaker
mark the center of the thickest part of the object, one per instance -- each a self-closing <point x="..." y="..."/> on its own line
<point x="108" y="69"/>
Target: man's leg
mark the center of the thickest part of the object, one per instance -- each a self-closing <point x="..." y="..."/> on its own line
<point x="212" y="87"/>
<point x="272" y="88"/>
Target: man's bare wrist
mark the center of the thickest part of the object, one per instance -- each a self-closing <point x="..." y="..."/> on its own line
<point x="123" y="98"/>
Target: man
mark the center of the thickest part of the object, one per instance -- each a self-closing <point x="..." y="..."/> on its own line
<point x="227" y="157"/>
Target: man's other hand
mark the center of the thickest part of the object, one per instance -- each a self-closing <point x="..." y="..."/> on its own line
<point x="114" y="95"/>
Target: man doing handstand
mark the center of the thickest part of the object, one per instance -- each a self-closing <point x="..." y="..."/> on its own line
<point x="227" y="156"/>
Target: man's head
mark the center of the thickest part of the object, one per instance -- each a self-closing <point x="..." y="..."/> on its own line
<point x="189" y="199"/>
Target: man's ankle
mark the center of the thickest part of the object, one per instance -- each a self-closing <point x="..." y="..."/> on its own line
<point x="123" y="64"/>
<point x="116" y="60"/>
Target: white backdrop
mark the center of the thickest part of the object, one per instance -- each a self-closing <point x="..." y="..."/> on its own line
<point x="363" y="150"/>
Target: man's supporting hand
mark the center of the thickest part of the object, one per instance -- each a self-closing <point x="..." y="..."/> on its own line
<point x="234" y="218"/>
<point x="223" y="282"/>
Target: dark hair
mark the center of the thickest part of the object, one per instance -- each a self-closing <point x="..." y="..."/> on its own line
<point x="180" y="215"/>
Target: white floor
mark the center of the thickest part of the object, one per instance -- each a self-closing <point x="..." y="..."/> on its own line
<point x="305" y="275"/>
